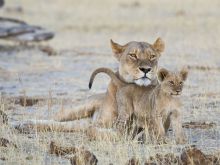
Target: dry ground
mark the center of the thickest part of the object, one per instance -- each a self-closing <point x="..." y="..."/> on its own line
<point x="191" y="30"/>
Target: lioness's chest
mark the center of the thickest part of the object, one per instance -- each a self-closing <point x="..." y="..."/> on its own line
<point x="142" y="100"/>
<point x="142" y="103"/>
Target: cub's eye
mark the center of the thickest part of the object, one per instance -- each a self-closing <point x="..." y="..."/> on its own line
<point x="132" y="55"/>
<point x="181" y="83"/>
<point x="171" y="82"/>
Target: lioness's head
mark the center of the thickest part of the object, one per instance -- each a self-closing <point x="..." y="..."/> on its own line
<point x="172" y="83"/>
<point x="138" y="60"/>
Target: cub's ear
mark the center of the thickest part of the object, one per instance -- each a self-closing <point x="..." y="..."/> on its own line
<point x="162" y="74"/>
<point x="184" y="73"/>
<point x="159" y="45"/>
<point x="117" y="49"/>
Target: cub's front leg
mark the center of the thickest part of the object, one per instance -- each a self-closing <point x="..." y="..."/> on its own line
<point x="167" y="122"/>
<point x="177" y="127"/>
<point x="156" y="119"/>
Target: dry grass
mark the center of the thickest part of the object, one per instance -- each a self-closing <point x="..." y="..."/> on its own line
<point x="83" y="29"/>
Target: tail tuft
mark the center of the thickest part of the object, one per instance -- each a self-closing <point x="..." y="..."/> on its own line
<point x="90" y="85"/>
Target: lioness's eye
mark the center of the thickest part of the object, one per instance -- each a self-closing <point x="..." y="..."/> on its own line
<point x="152" y="56"/>
<point x="171" y="82"/>
<point x="132" y="55"/>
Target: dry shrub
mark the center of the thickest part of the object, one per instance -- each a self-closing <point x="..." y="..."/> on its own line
<point x="6" y="143"/>
<point x="27" y="101"/>
<point x="3" y="118"/>
<point x="200" y="125"/>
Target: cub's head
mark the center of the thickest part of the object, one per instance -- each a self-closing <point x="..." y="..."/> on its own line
<point x="138" y="60"/>
<point x="172" y="83"/>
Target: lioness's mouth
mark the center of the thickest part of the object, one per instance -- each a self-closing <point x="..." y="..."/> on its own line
<point x="142" y="78"/>
<point x="175" y="94"/>
<point x="143" y="81"/>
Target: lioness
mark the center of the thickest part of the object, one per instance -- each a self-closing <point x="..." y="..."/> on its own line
<point x="155" y="106"/>
<point x="137" y="64"/>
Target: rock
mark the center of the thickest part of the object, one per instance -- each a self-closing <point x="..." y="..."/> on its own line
<point x="159" y="159"/>
<point x="194" y="156"/>
<point x="81" y="156"/>
<point x="20" y="31"/>
<point x="61" y="151"/>
<point x="3" y="118"/>
<point x="200" y="125"/>
<point x="84" y="157"/>
<point x="133" y="161"/>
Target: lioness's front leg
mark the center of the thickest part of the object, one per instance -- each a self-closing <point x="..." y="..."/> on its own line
<point x="86" y="110"/>
<point x="158" y="129"/>
<point x="125" y="111"/>
<point x="98" y="133"/>
<point x="177" y="127"/>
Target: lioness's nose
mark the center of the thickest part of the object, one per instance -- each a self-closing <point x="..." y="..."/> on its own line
<point x="145" y="70"/>
<point x="178" y="90"/>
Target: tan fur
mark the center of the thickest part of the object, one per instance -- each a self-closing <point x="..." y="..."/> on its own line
<point x="155" y="106"/>
<point x="133" y="58"/>
<point x="50" y="125"/>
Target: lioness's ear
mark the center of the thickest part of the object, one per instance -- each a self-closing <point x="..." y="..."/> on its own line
<point x="159" y="45"/>
<point x="117" y="49"/>
<point x="162" y="74"/>
<point x="184" y="73"/>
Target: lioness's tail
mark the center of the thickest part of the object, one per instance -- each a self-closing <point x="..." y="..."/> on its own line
<point x="109" y="72"/>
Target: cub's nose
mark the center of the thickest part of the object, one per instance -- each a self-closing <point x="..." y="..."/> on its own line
<point x="145" y="70"/>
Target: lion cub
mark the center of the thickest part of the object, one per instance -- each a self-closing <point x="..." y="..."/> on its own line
<point x="155" y="106"/>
